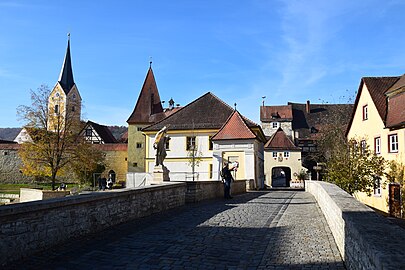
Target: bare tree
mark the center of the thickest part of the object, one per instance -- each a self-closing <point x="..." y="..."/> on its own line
<point x="55" y="135"/>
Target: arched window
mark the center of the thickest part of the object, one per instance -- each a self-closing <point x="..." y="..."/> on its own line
<point x="56" y="108"/>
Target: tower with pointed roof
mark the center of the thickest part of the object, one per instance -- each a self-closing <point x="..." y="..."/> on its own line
<point x="64" y="102"/>
<point x="148" y="110"/>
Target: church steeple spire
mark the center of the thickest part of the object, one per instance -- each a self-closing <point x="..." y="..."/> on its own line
<point x="66" y="74"/>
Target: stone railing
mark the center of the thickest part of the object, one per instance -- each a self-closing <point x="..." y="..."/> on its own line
<point x="203" y="190"/>
<point x="365" y="239"/>
<point x="31" y="194"/>
<point x="26" y="228"/>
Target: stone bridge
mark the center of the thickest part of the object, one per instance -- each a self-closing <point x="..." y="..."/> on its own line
<point x="322" y="228"/>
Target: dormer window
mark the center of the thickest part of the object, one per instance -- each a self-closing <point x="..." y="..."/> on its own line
<point x="275" y="124"/>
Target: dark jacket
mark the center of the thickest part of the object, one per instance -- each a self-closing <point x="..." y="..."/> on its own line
<point x="226" y="174"/>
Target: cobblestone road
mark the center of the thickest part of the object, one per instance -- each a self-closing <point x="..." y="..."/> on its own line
<point x="257" y="230"/>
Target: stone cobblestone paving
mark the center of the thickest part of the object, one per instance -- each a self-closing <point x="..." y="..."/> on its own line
<point x="257" y="230"/>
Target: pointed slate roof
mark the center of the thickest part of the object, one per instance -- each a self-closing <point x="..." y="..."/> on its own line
<point x="206" y="112"/>
<point x="66" y="73"/>
<point x="280" y="141"/>
<point x="235" y="128"/>
<point x="148" y="108"/>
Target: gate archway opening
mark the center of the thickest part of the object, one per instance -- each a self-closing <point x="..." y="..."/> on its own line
<point x="280" y="176"/>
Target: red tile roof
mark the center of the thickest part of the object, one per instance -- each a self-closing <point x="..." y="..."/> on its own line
<point x="206" y="112"/>
<point x="396" y="111"/>
<point x="147" y="109"/>
<point x="271" y="113"/>
<point x="378" y="87"/>
<point x="280" y="141"/>
<point x="112" y="146"/>
<point x="399" y="84"/>
<point x="235" y="128"/>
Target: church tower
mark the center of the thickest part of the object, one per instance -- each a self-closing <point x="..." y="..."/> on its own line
<point x="64" y="102"/>
<point x="148" y="110"/>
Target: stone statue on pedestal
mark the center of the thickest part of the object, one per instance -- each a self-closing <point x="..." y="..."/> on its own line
<point x="160" y="145"/>
<point x="161" y="173"/>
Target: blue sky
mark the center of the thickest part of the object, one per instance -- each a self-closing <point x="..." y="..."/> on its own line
<point x="286" y="50"/>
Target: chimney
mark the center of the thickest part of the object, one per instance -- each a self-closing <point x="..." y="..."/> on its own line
<point x="308" y="107"/>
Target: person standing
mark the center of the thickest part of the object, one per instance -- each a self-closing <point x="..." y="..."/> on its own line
<point x="227" y="179"/>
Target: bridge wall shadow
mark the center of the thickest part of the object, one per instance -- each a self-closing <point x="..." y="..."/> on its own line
<point x="192" y="236"/>
<point x="365" y="239"/>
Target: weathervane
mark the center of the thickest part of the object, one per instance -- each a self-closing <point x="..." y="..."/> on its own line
<point x="235" y="106"/>
<point x="150" y="61"/>
<point x="263" y="97"/>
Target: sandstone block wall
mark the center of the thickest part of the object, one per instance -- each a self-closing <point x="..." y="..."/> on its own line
<point x="203" y="190"/>
<point x="26" y="228"/>
<point x="10" y="164"/>
<point x="365" y="239"/>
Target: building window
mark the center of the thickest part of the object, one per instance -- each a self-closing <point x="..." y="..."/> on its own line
<point x="377" y="186"/>
<point x="139" y="128"/>
<point x="138" y="145"/>
<point x="275" y="124"/>
<point x="274" y="154"/>
<point x="56" y="108"/>
<point x="134" y="164"/>
<point x="393" y="143"/>
<point x="363" y="146"/>
<point x="210" y="171"/>
<point x="88" y="132"/>
<point x="210" y="143"/>
<point x="73" y="108"/>
<point x="365" y="112"/>
<point x="190" y="143"/>
<point x="377" y="145"/>
<point x="286" y="154"/>
<point x="5" y="153"/>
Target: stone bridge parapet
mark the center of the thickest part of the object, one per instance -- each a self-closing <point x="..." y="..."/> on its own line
<point x="365" y="239"/>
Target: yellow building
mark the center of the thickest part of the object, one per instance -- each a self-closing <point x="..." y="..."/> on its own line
<point x="282" y="160"/>
<point x="379" y="119"/>
<point x="64" y="102"/>
<point x="148" y="110"/>
<point x="217" y="133"/>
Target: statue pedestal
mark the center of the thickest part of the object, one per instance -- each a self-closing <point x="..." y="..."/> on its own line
<point x="160" y="174"/>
